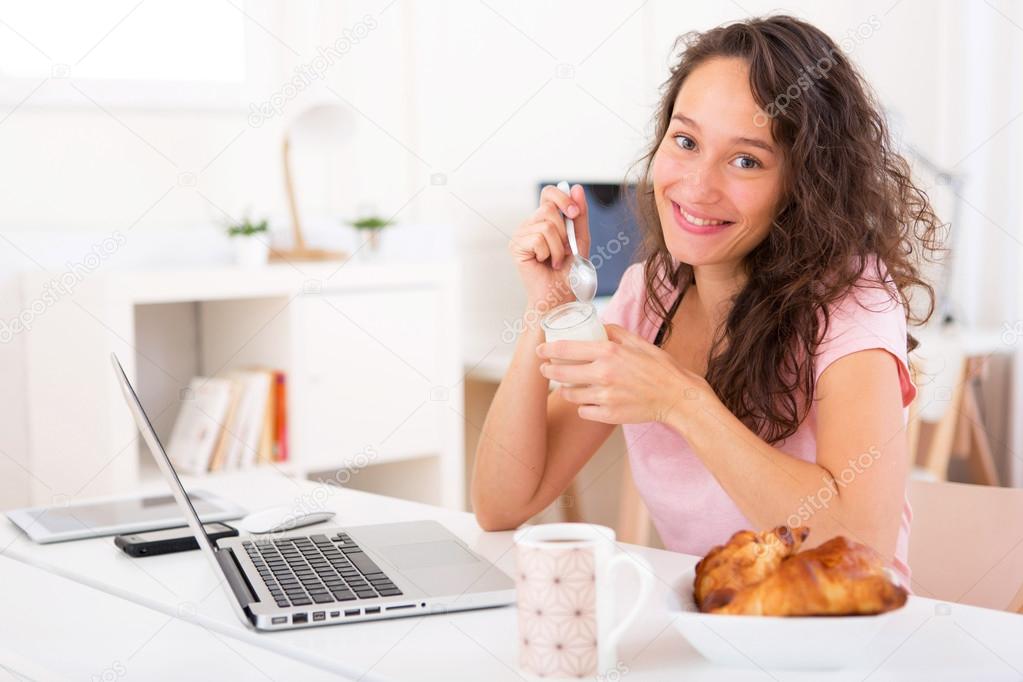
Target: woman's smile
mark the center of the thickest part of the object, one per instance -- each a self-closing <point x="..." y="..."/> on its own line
<point x="698" y="223"/>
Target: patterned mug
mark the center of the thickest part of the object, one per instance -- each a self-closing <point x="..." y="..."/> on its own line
<point x="565" y="593"/>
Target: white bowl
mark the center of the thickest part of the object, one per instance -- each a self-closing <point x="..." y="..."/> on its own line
<point x="770" y="642"/>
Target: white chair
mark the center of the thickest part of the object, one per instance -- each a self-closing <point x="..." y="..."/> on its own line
<point x="966" y="543"/>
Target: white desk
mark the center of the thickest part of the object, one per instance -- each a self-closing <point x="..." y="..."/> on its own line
<point x="93" y="636"/>
<point x="926" y="640"/>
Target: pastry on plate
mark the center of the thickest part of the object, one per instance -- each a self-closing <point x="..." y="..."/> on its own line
<point x="745" y="560"/>
<point x="765" y="574"/>
<point x="838" y="578"/>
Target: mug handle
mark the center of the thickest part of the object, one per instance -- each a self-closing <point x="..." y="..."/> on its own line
<point x="645" y="575"/>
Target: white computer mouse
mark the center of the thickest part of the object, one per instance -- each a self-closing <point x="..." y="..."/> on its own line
<point x="281" y="519"/>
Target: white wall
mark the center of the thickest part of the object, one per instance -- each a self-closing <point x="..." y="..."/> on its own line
<point x="471" y="90"/>
<point x="462" y="106"/>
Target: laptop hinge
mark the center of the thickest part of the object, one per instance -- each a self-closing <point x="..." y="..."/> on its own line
<point x="235" y="577"/>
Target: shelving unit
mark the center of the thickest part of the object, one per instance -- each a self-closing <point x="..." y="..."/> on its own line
<point x="371" y="353"/>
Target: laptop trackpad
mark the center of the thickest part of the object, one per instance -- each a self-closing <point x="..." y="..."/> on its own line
<point x="426" y="554"/>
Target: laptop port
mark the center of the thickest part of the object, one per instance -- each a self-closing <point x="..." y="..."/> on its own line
<point x="335" y="614"/>
<point x="352" y="612"/>
<point x="319" y="615"/>
<point x="277" y="620"/>
<point x="372" y="609"/>
<point x="300" y="618"/>
<point x="400" y="606"/>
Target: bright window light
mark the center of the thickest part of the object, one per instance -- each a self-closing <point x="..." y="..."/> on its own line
<point x="153" y="40"/>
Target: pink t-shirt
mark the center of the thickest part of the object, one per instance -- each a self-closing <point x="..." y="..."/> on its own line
<point x="689" y="508"/>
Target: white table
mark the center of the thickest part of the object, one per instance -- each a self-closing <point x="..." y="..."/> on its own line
<point x="926" y="640"/>
<point x="53" y="628"/>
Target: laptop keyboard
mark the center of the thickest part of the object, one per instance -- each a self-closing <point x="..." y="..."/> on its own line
<point x="317" y="569"/>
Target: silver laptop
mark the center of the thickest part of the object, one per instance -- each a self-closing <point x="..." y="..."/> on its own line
<point x="336" y="575"/>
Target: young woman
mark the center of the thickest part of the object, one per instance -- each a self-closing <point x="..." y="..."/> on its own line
<point x="758" y="356"/>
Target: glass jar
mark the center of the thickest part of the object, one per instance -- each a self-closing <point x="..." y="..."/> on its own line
<point x="576" y="321"/>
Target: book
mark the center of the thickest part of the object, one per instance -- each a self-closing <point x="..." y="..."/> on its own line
<point x="266" y="438"/>
<point x="233" y="429"/>
<point x="244" y="426"/>
<point x="198" y="425"/>
<point x="225" y="440"/>
<point x="256" y="385"/>
<point x="281" y="431"/>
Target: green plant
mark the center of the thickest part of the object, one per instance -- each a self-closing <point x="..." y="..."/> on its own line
<point x="247" y="228"/>
<point x="370" y="223"/>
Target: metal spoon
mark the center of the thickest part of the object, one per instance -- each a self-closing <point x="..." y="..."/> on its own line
<point x="582" y="276"/>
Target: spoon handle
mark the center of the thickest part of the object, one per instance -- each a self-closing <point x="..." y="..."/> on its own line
<point x="569" y="223"/>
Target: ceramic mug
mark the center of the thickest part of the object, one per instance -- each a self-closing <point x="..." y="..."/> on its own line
<point x="565" y="584"/>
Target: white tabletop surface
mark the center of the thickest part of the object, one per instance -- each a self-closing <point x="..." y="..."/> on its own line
<point x="53" y="628"/>
<point x="926" y="640"/>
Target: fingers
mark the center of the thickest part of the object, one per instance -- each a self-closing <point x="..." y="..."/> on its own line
<point x="597" y="413"/>
<point x="563" y="202"/>
<point x="580" y="374"/>
<point x="541" y="241"/>
<point x="532" y="246"/>
<point x="548" y="222"/>
<point x="544" y="236"/>
<point x="580" y="351"/>
<point x="574" y="206"/>
<point x="582" y="395"/>
<point x="622" y="335"/>
<point x="553" y="234"/>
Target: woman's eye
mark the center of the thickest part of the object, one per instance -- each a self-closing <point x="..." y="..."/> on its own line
<point x="685" y="142"/>
<point x="746" y="162"/>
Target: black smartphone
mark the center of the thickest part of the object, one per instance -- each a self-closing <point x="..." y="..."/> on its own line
<point x="170" y="540"/>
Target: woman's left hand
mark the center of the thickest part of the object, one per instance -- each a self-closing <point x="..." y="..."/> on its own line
<point x="626" y="380"/>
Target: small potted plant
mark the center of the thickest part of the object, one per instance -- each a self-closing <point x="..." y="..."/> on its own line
<point x="370" y="227"/>
<point x="251" y="242"/>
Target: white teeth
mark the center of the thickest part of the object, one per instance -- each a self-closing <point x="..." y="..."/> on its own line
<point x="697" y="221"/>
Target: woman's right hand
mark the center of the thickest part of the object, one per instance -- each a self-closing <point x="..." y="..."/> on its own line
<point x="540" y="246"/>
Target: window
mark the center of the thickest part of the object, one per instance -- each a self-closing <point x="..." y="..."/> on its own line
<point x="123" y="52"/>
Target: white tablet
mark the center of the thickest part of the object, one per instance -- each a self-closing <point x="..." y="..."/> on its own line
<point x="115" y="516"/>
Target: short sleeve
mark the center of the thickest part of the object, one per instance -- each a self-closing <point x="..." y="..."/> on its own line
<point x="869" y="317"/>
<point x="625" y="308"/>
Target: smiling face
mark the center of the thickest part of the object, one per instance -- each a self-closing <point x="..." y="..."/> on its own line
<point x="717" y="175"/>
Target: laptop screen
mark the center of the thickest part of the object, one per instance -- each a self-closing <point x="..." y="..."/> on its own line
<point x="163" y="462"/>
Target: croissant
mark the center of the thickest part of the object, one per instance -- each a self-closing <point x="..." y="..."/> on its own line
<point x="838" y="578"/>
<point x="745" y="560"/>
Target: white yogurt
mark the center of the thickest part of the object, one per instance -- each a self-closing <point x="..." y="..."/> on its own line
<point x="575" y="321"/>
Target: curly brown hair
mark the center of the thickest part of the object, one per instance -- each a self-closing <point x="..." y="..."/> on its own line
<point x="849" y="205"/>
